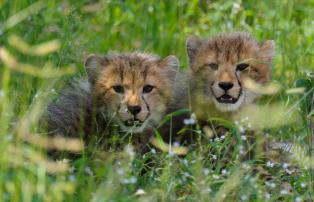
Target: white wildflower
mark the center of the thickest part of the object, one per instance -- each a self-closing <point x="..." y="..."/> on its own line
<point x="216" y="177"/>
<point x="153" y="151"/>
<point x="190" y="121"/>
<point x="267" y="195"/>
<point x="270" y="164"/>
<point x="241" y="149"/>
<point x="176" y="144"/>
<point x="289" y="172"/>
<point x="243" y="198"/>
<point x="185" y="162"/>
<point x="270" y="184"/>
<point x="285" y="165"/>
<point x="72" y="178"/>
<point x="88" y="171"/>
<point x="132" y="180"/>
<point x="284" y="192"/>
<point x="206" y="171"/>
<point x="140" y="192"/>
<point x="130" y="151"/>
<point x="241" y="129"/>
<point x="224" y="172"/>
<point x="208" y="190"/>
<point x="120" y="171"/>
<point x="303" y="184"/>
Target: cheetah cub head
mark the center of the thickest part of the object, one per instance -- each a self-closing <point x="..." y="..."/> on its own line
<point x="221" y="64"/>
<point x="132" y="89"/>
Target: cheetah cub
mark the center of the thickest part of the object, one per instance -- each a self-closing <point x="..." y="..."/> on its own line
<point x="221" y="64"/>
<point x="130" y="91"/>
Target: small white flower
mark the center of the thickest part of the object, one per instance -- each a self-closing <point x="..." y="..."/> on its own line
<point x="72" y="178"/>
<point x="140" y="192"/>
<point x="132" y="180"/>
<point x="190" y="121"/>
<point x="289" y="172"/>
<point x="241" y="149"/>
<point x="214" y="157"/>
<point x="236" y="5"/>
<point x="222" y="137"/>
<point x="176" y="144"/>
<point x="216" y="177"/>
<point x="267" y="195"/>
<point x="241" y="129"/>
<point x="120" y="171"/>
<point x="129" y="150"/>
<point x="270" y="164"/>
<point x="153" y="151"/>
<point x="171" y="153"/>
<point x="284" y="192"/>
<point x="298" y="199"/>
<point x="186" y="121"/>
<point x="303" y="184"/>
<point x="224" y="172"/>
<point x="243" y="137"/>
<point x="206" y="171"/>
<point x="270" y="184"/>
<point x="208" y="190"/>
<point x="243" y="197"/>
<point x="246" y="166"/>
<point x="285" y="165"/>
<point x="186" y="174"/>
<point x="88" y="171"/>
<point x="185" y="162"/>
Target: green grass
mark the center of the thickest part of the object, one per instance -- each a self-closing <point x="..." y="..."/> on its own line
<point x="160" y="27"/>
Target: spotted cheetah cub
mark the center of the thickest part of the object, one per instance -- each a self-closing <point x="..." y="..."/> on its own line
<point x="131" y="91"/>
<point x="221" y="64"/>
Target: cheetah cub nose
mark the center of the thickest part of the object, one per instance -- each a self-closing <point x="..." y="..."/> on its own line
<point x="134" y="109"/>
<point x="225" y="85"/>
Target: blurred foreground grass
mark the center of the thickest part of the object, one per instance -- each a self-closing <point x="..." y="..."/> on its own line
<point x="43" y="43"/>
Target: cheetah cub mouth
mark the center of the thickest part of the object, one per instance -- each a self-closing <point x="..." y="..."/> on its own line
<point x="228" y="99"/>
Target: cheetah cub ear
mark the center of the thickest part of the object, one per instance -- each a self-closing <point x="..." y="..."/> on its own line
<point x="192" y="45"/>
<point x="171" y="65"/>
<point x="93" y="64"/>
<point x="267" y="51"/>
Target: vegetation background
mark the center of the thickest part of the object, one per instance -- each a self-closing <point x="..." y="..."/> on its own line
<point x="44" y="43"/>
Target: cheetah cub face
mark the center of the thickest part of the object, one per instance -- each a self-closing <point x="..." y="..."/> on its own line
<point x="132" y="89"/>
<point x="221" y="64"/>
